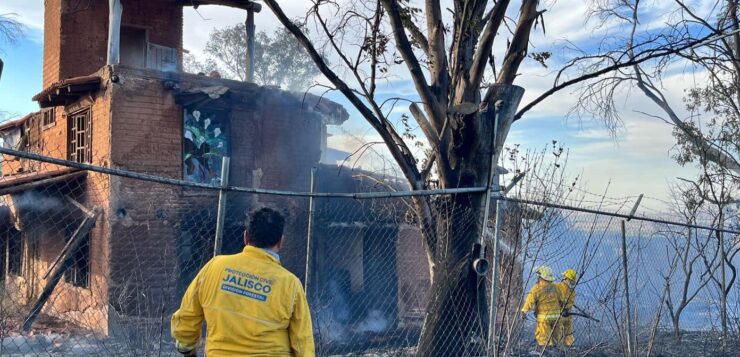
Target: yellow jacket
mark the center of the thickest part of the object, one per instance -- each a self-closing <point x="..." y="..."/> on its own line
<point x="545" y="300"/>
<point x="567" y="293"/>
<point x="252" y="306"/>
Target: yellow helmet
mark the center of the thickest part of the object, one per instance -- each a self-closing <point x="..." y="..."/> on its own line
<point x="570" y="274"/>
<point x="545" y="272"/>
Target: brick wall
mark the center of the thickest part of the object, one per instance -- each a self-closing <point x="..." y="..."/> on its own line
<point x="45" y="218"/>
<point x="76" y="33"/>
<point x="269" y="134"/>
<point x="52" y="41"/>
<point x="162" y="20"/>
<point x="85" y="306"/>
<point x="75" y="38"/>
<point x="138" y="239"/>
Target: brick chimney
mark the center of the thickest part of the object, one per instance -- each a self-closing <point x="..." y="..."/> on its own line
<point x="76" y="35"/>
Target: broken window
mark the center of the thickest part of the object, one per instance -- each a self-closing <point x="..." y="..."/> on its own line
<point x="80" y="136"/>
<point x="48" y="117"/>
<point x="133" y="46"/>
<point x="205" y="143"/>
<point x="78" y="273"/>
<point x="30" y="141"/>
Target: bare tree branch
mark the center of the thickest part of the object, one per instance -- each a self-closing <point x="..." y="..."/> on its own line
<point x="639" y="58"/>
<point x="416" y="34"/>
<point x="486" y="42"/>
<point x="10" y="29"/>
<point x="404" y="47"/>
<point x="397" y="148"/>
<point x="517" y="50"/>
<point x="426" y="127"/>
<point x="708" y="150"/>
<point x="437" y="58"/>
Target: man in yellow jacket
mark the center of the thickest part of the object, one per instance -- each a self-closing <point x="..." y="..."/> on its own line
<point x="545" y="300"/>
<point x="567" y="287"/>
<point x="252" y="306"/>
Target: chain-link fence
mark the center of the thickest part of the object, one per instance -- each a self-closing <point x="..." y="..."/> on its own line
<point x="95" y="261"/>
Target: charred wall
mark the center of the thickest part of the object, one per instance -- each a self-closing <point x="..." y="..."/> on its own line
<point x="273" y="144"/>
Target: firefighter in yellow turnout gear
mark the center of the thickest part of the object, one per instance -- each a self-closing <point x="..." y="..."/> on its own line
<point x="567" y="287"/>
<point x="545" y="300"/>
<point x="252" y="306"/>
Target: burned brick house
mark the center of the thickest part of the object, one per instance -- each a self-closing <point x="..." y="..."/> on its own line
<point x="135" y="245"/>
<point x="369" y="280"/>
<point x="145" y="115"/>
<point x="369" y="273"/>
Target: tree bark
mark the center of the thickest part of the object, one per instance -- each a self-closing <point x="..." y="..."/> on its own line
<point x="457" y="313"/>
<point x="677" y="329"/>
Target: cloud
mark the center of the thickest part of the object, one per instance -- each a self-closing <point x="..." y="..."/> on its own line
<point x="368" y="152"/>
<point x="29" y="12"/>
<point x="638" y="160"/>
<point x="198" y="24"/>
<point x="596" y="134"/>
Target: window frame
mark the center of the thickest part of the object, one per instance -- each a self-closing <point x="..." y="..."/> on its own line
<point x="48" y="118"/>
<point x="78" y="273"/>
<point x="74" y="134"/>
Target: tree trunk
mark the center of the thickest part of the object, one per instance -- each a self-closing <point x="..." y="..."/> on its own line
<point x="457" y="314"/>
<point x="677" y="328"/>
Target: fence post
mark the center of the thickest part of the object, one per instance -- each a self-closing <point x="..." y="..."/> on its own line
<point x="249" y="24"/>
<point x="492" y="177"/>
<point x="309" y="231"/>
<point x="221" y="214"/>
<point x="494" y="280"/>
<point x="626" y="290"/>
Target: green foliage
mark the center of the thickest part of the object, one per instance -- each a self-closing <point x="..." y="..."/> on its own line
<point x="192" y="64"/>
<point x="541" y="57"/>
<point x="279" y="58"/>
<point x="715" y="118"/>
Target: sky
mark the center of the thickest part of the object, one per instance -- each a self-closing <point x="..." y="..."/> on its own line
<point x="636" y="160"/>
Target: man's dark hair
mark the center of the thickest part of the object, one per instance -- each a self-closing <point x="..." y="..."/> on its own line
<point x="265" y="227"/>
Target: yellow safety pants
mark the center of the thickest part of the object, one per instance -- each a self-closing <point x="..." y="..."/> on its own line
<point x="547" y="332"/>
<point x="566" y="324"/>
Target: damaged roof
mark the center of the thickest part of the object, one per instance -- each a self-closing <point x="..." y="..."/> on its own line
<point x="67" y="90"/>
<point x="229" y="93"/>
<point x="16" y="122"/>
<point x="333" y="113"/>
<point x="29" y="180"/>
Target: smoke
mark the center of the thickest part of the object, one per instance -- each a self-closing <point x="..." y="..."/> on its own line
<point x="334" y="317"/>
<point x="374" y="322"/>
<point x="334" y="314"/>
<point x="169" y="67"/>
<point x="32" y="200"/>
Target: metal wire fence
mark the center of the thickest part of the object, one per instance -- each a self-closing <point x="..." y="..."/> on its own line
<point x="95" y="261"/>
